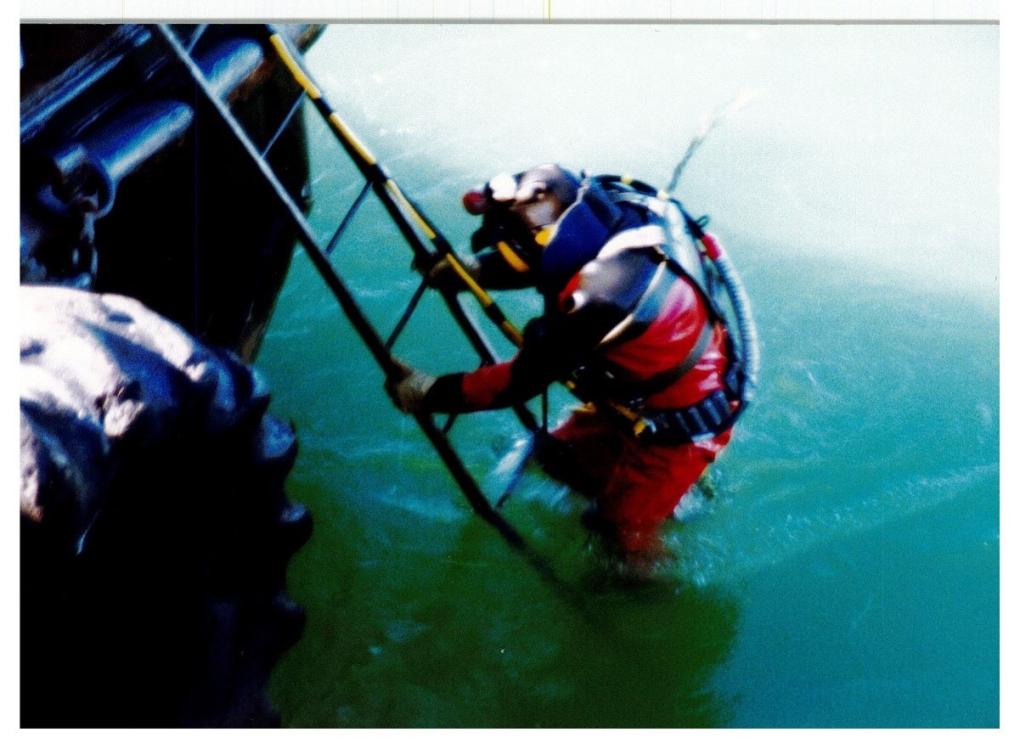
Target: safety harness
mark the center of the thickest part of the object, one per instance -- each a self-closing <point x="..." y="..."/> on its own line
<point x="664" y="235"/>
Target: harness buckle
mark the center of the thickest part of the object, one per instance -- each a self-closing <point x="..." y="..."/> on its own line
<point x="707" y="418"/>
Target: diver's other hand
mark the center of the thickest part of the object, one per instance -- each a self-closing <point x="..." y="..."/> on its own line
<point x="442" y="274"/>
<point x="409" y="388"/>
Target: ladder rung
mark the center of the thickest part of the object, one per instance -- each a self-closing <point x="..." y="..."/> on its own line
<point x="366" y="331"/>
<point x="408" y="311"/>
<point x="347" y="218"/>
<point x="195" y="36"/>
<point x="283" y="125"/>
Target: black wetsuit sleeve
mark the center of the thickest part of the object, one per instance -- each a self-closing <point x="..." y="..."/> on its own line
<point x="554" y="346"/>
<point x="561" y="342"/>
<point x="495" y="273"/>
<point x="557" y="343"/>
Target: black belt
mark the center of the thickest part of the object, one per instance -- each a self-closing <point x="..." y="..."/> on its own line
<point x="711" y="416"/>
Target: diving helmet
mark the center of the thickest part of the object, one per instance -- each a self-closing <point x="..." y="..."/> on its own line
<point x="520" y="211"/>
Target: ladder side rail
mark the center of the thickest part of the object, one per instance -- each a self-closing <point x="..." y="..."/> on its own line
<point x="399" y="206"/>
<point x="362" y="326"/>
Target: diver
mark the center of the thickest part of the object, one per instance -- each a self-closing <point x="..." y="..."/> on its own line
<point x="631" y="318"/>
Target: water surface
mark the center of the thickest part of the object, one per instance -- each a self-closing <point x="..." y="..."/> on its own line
<point x="845" y="573"/>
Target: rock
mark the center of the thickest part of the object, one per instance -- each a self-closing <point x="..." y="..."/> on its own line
<point x="155" y="529"/>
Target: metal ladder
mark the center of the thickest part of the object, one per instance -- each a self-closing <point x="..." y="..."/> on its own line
<point x="405" y="216"/>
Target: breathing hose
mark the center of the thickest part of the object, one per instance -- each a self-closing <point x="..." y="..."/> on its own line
<point x="747" y="331"/>
<point x="711" y="248"/>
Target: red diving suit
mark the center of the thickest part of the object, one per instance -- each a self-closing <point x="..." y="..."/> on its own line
<point x="629" y="320"/>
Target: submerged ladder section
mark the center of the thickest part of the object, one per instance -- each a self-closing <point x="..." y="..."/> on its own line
<point x="412" y="225"/>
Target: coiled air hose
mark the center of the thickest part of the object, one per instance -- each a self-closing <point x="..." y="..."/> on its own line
<point x="747" y="331"/>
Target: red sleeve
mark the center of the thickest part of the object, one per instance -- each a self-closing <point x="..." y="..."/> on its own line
<point x="553" y="347"/>
<point x="482" y="387"/>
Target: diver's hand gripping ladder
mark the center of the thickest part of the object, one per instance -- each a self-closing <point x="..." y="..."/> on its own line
<point x="408" y="216"/>
<point x="403" y="213"/>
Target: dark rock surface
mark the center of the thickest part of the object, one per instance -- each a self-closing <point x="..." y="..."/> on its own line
<point x="155" y="530"/>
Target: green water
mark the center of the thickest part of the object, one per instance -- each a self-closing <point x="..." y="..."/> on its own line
<point x="846" y="571"/>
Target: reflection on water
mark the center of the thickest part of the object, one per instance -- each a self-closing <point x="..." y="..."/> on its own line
<point x="477" y="640"/>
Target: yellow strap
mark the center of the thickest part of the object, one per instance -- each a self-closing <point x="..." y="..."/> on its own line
<point x="512" y="258"/>
<point x="544" y="235"/>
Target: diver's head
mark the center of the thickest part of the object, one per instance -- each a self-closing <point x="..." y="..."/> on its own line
<point x="521" y="210"/>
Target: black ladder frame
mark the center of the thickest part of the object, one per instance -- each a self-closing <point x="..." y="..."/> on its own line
<point x="379" y="348"/>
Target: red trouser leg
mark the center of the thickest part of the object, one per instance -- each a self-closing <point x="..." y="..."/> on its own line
<point x="636" y="485"/>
